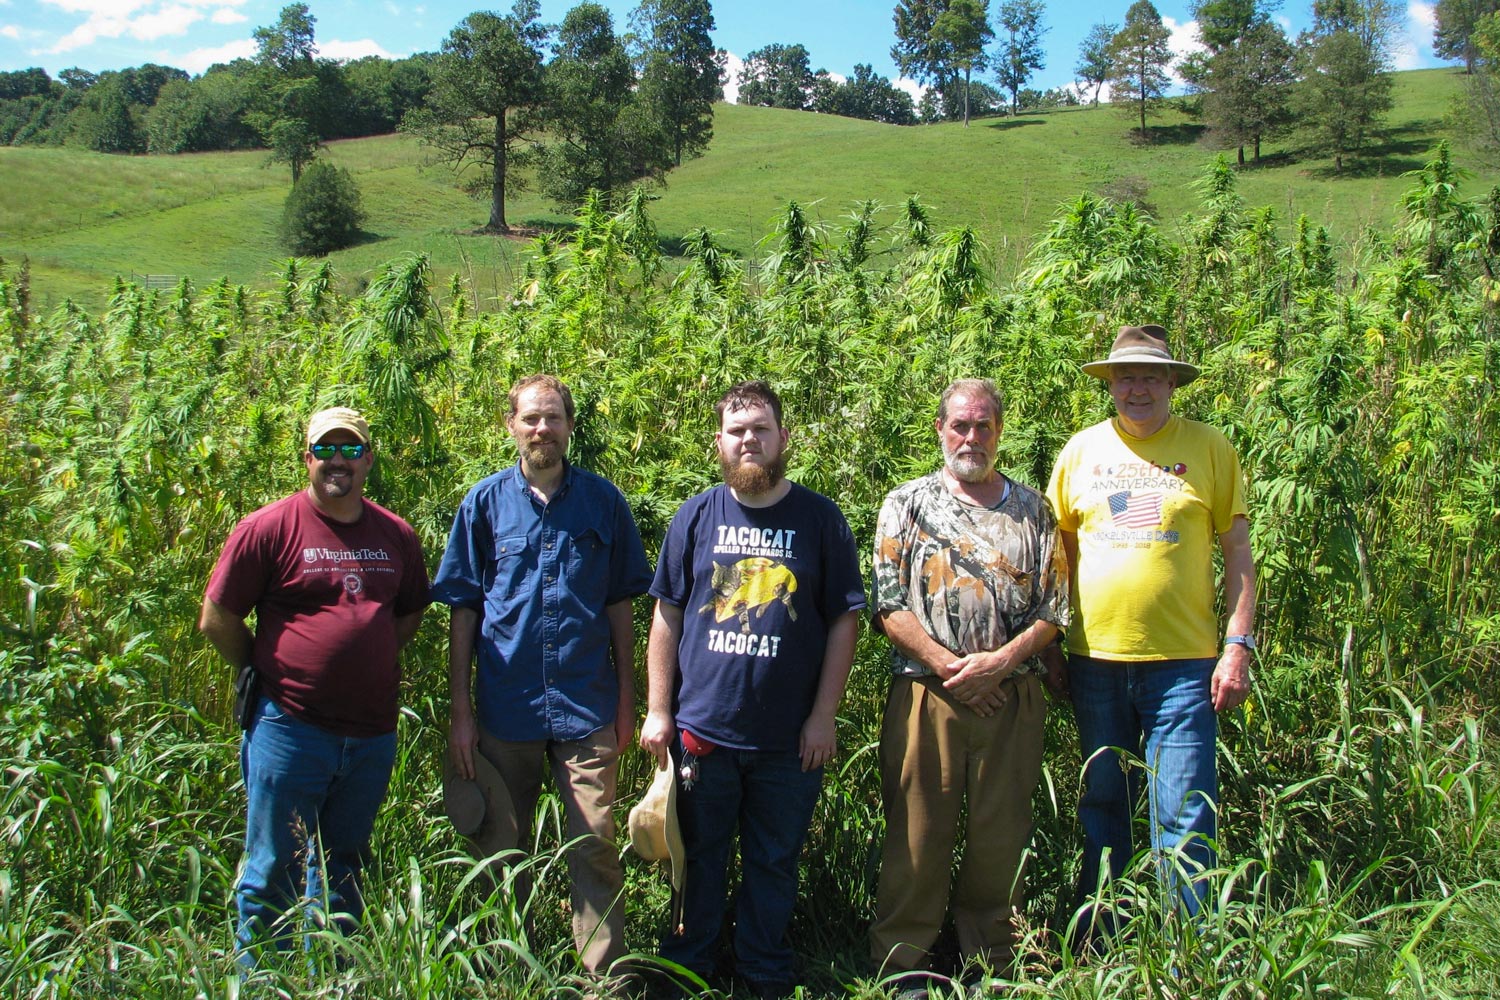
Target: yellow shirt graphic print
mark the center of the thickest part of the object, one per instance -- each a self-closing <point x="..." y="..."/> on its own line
<point x="750" y="585"/>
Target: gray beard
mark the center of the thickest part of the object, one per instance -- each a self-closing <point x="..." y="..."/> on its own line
<point x="966" y="470"/>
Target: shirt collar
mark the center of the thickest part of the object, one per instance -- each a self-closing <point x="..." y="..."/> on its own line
<point x="525" y="487"/>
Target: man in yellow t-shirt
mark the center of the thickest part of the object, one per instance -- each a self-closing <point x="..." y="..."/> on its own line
<point x="1141" y="500"/>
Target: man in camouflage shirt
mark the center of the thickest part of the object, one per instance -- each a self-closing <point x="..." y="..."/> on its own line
<point x="970" y="584"/>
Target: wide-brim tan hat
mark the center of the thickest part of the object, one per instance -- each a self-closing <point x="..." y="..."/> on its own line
<point x="1142" y="345"/>
<point x="654" y="831"/>
<point x="337" y="418"/>
<point x="480" y="808"/>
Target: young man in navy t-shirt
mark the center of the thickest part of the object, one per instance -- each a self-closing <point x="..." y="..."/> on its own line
<point x="758" y="596"/>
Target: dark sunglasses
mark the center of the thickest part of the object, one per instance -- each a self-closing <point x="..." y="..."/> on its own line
<point x="323" y="452"/>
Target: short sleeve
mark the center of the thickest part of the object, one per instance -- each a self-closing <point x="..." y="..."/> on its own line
<point x="1057" y="491"/>
<point x="843" y="587"/>
<point x="1229" y="487"/>
<point x="244" y="569"/>
<point x="892" y="554"/>
<point x="416" y="592"/>
<point x="630" y="573"/>
<point x="673" y="582"/>
<point x="460" y="580"/>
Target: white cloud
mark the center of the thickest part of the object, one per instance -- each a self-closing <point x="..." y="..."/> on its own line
<point x="391" y="9"/>
<point x="1415" y="36"/>
<point x="145" y="20"/>
<point x="199" y="60"/>
<point x="912" y="87"/>
<point x="732" y="66"/>
<point x="171" y="20"/>
<point x="10" y="31"/>
<point x="97" y="8"/>
<point x="1183" y="42"/>
<point x="1422" y="15"/>
<point x="353" y="50"/>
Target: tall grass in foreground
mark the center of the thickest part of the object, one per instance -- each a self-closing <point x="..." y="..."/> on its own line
<point x="1359" y="814"/>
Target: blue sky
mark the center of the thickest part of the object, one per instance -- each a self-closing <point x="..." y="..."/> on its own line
<point x="193" y="34"/>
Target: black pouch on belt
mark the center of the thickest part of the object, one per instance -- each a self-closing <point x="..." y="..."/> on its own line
<point x="246" y="694"/>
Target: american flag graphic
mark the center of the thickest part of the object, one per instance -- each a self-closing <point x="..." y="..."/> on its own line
<point x="1135" y="510"/>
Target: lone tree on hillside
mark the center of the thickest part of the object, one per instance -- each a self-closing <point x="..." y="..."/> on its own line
<point x="1250" y="85"/>
<point x="1346" y="86"/>
<point x="599" y="137"/>
<point x="1139" y="57"/>
<point x="1020" y="52"/>
<point x="777" y="76"/>
<point x="932" y="54"/>
<point x="1093" y="57"/>
<point x="486" y="99"/>
<point x="291" y="90"/>
<point x="322" y="214"/>
<point x="964" y="30"/>
<point x="681" y="72"/>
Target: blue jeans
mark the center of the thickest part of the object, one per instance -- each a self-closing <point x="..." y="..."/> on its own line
<point x="311" y="804"/>
<point x="768" y="796"/>
<point x="1161" y="714"/>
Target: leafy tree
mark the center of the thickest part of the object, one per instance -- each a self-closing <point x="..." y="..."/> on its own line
<point x="77" y="79"/>
<point x="1484" y="82"/>
<point x="1249" y="87"/>
<point x="681" y="70"/>
<point x="1455" y="22"/>
<point x="963" y="30"/>
<point x="19" y="83"/>
<point x="322" y="213"/>
<point x="381" y="91"/>
<point x="1093" y="57"/>
<point x="925" y="54"/>
<point x="289" y="44"/>
<point x="1246" y="73"/>
<point x="105" y="120"/>
<point x="1221" y="23"/>
<point x="1346" y="88"/>
<point x="777" y="76"/>
<point x="1021" y="51"/>
<point x="290" y="89"/>
<point x="597" y="142"/>
<point x="864" y="95"/>
<point x="487" y="95"/>
<point x="1139" y="57"/>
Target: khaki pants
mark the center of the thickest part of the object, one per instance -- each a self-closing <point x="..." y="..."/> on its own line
<point x="584" y="772"/>
<point x="935" y="756"/>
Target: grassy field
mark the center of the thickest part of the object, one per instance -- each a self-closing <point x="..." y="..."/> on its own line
<point x="83" y="218"/>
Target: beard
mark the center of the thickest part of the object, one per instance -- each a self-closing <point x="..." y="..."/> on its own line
<point x="334" y="488"/>
<point x="542" y="454"/>
<point x="751" y="479"/>
<point x="968" y="468"/>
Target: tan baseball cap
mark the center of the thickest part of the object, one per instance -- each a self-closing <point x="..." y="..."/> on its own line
<point x="334" y="419"/>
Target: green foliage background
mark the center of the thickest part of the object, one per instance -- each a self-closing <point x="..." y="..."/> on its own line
<point x="1360" y="792"/>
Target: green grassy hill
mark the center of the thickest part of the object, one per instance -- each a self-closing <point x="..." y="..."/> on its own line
<point x="83" y="218"/>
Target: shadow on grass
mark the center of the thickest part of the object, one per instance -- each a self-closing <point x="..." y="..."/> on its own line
<point x="1010" y="123"/>
<point x="1182" y="134"/>
<point x="1392" y="156"/>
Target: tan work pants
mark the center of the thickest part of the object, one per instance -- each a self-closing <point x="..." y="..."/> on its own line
<point x="936" y="756"/>
<point x="584" y="772"/>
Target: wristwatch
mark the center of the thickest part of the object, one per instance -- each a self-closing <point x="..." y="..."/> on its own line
<point x="1248" y="641"/>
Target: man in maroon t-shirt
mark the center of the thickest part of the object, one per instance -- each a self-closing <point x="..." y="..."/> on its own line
<point x="337" y="584"/>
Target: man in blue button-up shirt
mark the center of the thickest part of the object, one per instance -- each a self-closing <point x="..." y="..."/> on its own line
<point x="541" y="566"/>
